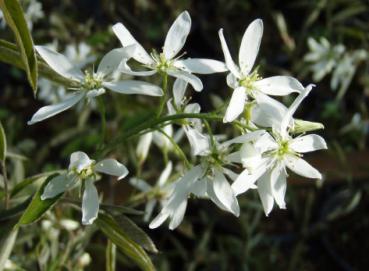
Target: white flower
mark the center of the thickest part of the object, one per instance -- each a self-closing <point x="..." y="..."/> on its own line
<point x="168" y="61"/>
<point x="83" y="169"/>
<point x="247" y="83"/>
<point x="161" y="190"/>
<point x="206" y="180"/>
<point x="90" y="85"/>
<point x="266" y="159"/>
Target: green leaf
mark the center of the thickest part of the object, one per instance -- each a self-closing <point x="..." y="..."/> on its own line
<point x="136" y="233"/>
<point x="14" y="17"/>
<point x="38" y="207"/>
<point x="2" y="143"/>
<point x="118" y="236"/>
<point x="6" y="247"/>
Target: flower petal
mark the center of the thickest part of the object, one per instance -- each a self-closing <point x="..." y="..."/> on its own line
<point x="164" y="176"/>
<point x="126" y="39"/>
<point x="251" y="136"/>
<point x="188" y="77"/>
<point x="227" y="56"/>
<point x="179" y="89"/>
<point x="149" y="208"/>
<point x="178" y="215"/>
<point x="199" y="142"/>
<point x="177" y="35"/>
<point x="60" y="64"/>
<point x="308" y="143"/>
<point x="111" y="167"/>
<point x="143" y="146"/>
<point x="58" y="185"/>
<point x="90" y="203"/>
<point x="134" y="87"/>
<point x="140" y="184"/>
<point x="265" y="192"/>
<point x="247" y="180"/>
<point x="52" y="110"/>
<point x="236" y="105"/>
<point x="279" y="85"/>
<point x="302" y="168"/>
<point x="279" y="185"/>
<point x="225" y="194"/>
<point x="79" y="161"/>
<point x="111" y="61"/>
<point x="249" y="47"/>
<point x="201" y="65"/>
<point x="95" y="92"/>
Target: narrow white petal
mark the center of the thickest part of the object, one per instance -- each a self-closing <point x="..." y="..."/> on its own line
<point x="134" y="87"/>
<point x="124" y="68"/>
<point x="308" y="143"/>
<point x="126" y="38"/>
<point x="188" y="77"/>
<point x="267" y="112"/>
<point x="250" y="156"/>
<point x="164" y="176"/>
<point x="233" y="157"/>
<point x="111" y="167"/>
<point x="60" y="64"/>
<point x="236" y="105"/>
<point x="178" y="215"/>
<point x="302" y="168"/>
<point x="192" y="108"/>
<point x="95" y="93"/>
<point x="247" y="180"/>
<point x="292" y="109"/>
<point x="251" y="136"/>
<point x="140" y="184"/>
<point x="161" y="140"/>
<point x="177" y="35"/>
<point x="279" y="185"/>
<point x="227" y="56"/>
<point x="143" y="146"/>
<point x="265" y="192"/>
<point x="250" y="44"/>
<point x="111" y="61"/>
<point x="79" y="161"/>
<point x="90" y="203"/>
<point x="201" y="65"/>
<point x="199" y="142"/>
<point x="58" y="185"/>
<point x="199" y="188"/>
<point x="225" y="194"/>
<point x="158" y="220"/>
<point x="279" y="85"/>
<point x="52" y="110"/>
<point x="149" y="208"/>
<point x="179" y="89"/>
<point x="232" y="81"/>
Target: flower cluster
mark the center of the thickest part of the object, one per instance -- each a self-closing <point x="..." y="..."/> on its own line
<point x="271" y="142"/>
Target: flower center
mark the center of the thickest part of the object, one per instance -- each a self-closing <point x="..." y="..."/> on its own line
<point x="92" y="81"/>
<point x="248" y="81"/>
<point x="162" y="64"/>
<point x="86" y="172"/>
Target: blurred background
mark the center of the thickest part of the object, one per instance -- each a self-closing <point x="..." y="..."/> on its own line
<point x="326" y="225"/>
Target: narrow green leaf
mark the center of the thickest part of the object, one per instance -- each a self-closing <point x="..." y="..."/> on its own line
<point x="6" y="247"/>
<point x="2" y="143"/>
<point x="14" y="17"/>
<point x="38" y="207"/>
<point x="135" y="233"/>
<point x="110" y="256"/>
<point x="131" y="249"/>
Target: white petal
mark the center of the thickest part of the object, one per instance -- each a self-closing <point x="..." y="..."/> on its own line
<point x="111" y="167"/>
<point x="179" y="89"/>
<point x="158" y="220"/>
<point x="90" y="203"/>
<point x="52" y="110"/>
<point x="192" y="108"/>
<point x="111" y="61"/>
<point x="95" y="92"/>
<point x="79" y="161"/>
<point x="232" y="81"/>
<point x="124" y="68"/>
<point x="267" y="112"/>
<point x="188" y="77"/>
<point x="302" y="168"/>
<point x="247" y="180"/>
<point x="60" y="63"/>
<point x="177" y="35"/>
<point x="163" y="141"/>
<point x="199" y="142"/>
<point x="279" y="85"/>
<point x="58" y="185"/>
<point x="201" y="65"/>
<point x="199" y="189"/>
<point x="230" y="174"/>
<point x="249" y="47"/>
<point x="250" y="156"/>
<point x="149" y="208"/>
<point x="134" y="87"/>
<point x="143" y="146"/>
<point x="279" y="185"/>
<point x="127" y="39"/>
<point x="164" y="176"/>
<point x="251" y="136"/>
<point x="236" y="105"/>
<point x="170" y="107"/>
<point x="140" y="184"/>
<point x="178" y="215"/>
<point x="225" y="194"/>
<point x="227" y="56"/>
<point x="265" y="192"/>
<point x="292" y="109"/>
<point x="308" y="143"/>
<point x="233" y="157"/>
